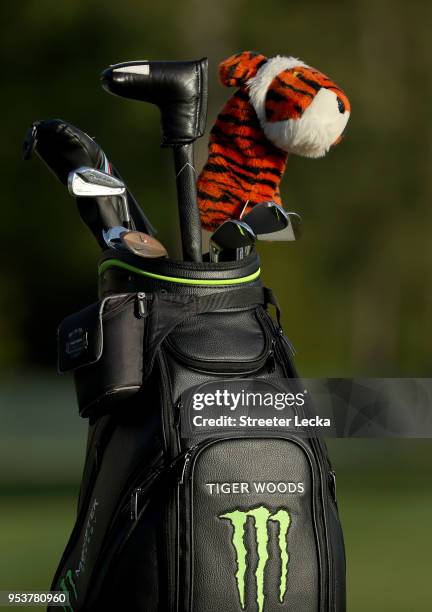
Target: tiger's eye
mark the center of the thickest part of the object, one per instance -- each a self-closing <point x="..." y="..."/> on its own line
<point x="341" y="105"/>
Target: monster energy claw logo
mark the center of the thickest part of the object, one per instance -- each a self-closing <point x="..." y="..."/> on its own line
<point x="261" y="517"/>
<point x="67" y="584"/>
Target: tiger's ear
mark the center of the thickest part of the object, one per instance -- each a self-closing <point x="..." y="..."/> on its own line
<point x="237" y="69"/>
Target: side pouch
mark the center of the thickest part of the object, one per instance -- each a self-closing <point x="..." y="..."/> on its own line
<point x="103" y="345"/>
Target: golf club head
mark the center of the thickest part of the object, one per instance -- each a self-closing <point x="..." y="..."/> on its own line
<point x="63" y="147"/>
<point x="86" y="182"/>
<point x="143" y="245"/>
<point x="177" y="88"/>
<point x="138" y="243"/>
<point x="232" y="240"/>
<point x="292" y="232"/>
<point x="266" y="218"/>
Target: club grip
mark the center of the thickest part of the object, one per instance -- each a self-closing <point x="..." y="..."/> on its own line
<point x="190" y="223"/>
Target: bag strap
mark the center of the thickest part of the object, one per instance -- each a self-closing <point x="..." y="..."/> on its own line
<point x="238" y="298"/>
<point x="229" y="299"/>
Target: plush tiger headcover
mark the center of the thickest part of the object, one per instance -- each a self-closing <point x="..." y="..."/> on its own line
<point x="282" y="106"/>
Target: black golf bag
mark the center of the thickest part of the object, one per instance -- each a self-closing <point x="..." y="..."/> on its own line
<point x="180" y="521"/>
<point x="178" y="512"/>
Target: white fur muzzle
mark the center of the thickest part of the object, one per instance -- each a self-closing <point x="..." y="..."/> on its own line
<point x="320" y="125"/>
<point x="314" y="133"/>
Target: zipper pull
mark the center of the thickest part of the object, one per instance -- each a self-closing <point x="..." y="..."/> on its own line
<point x="332" y="479"/>
<point x="134" y="504"/>
<point x="271" y="358"/>
<point x="177" y="413"/>
<point x="141" y="305"/>
<point x="286" y="341"/>
<point x="187" y="459"/>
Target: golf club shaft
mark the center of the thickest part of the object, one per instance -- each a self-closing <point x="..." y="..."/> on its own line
<point x="190" y="223"/>
<point x="139" y="220"/>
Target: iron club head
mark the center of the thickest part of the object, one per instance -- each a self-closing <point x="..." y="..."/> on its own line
<point x="271" y="222"/>
<point x="233" y="240"/>
<point x="266" y="218"/>
<point x="291" y="233"/>
<point x="86" y="182"/>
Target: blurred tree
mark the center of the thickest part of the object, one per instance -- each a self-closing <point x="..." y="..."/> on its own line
<point x="355" y="291"/>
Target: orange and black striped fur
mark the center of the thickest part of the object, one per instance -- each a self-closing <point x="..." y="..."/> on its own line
<point x="265" y="119"/>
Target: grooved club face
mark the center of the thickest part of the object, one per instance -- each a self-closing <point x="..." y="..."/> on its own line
<point x="89" y="182"/>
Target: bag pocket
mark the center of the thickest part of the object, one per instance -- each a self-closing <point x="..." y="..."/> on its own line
<point x="103" y="346"/>
<point x="253" y="532"/>
<point x="227" y="343"/>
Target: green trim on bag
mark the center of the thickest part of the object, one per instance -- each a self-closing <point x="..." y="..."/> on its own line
<point x="115" y="263"/>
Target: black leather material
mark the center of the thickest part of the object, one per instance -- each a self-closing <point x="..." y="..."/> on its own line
<point x="160" y="536"/>
<point x="80" y="339"/>
<point x="64" y="147"/>
<point x="111" y="345"/>
<point x="179" y="89"/>
<point x="211" y="537"/>
<point x="134" y="446"/>
<point x="103" y="345"/>
<point x="209" y="339"/>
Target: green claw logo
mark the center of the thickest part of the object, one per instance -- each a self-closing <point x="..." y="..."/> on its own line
<point x="67" y="585"/>
<point x="261" y="517"/>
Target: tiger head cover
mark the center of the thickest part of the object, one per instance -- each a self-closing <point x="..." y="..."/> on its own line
<point x="281" y="106"/>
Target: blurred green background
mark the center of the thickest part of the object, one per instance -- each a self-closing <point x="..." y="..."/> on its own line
<point x="356" y="291"/>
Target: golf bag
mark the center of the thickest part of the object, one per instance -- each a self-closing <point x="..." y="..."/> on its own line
<point x="180" y="520"/>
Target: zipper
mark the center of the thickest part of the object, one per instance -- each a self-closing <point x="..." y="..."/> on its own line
<point x="170" y="433"/>
<point x="187" y="460"/>
<point x="130" y="504"/>
<point x="126" y="519"/>
<point x="172" y="446"/>
<point x="185" y="493"/>
<point x="332" y="485"/>
<point x="134" y="503"/>
<point x="317" y="444"/>
<point x="141" y="303"/>
<point x="140" y="299"/>
<point x="333" y="507"/>
<point x="287" y="342"/>
<point x="119" y="529"/>
<point x="271" y="358"/>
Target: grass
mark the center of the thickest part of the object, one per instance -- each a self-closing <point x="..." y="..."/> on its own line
<point x="387" y="537"/>
<point x="33" y="532"/>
